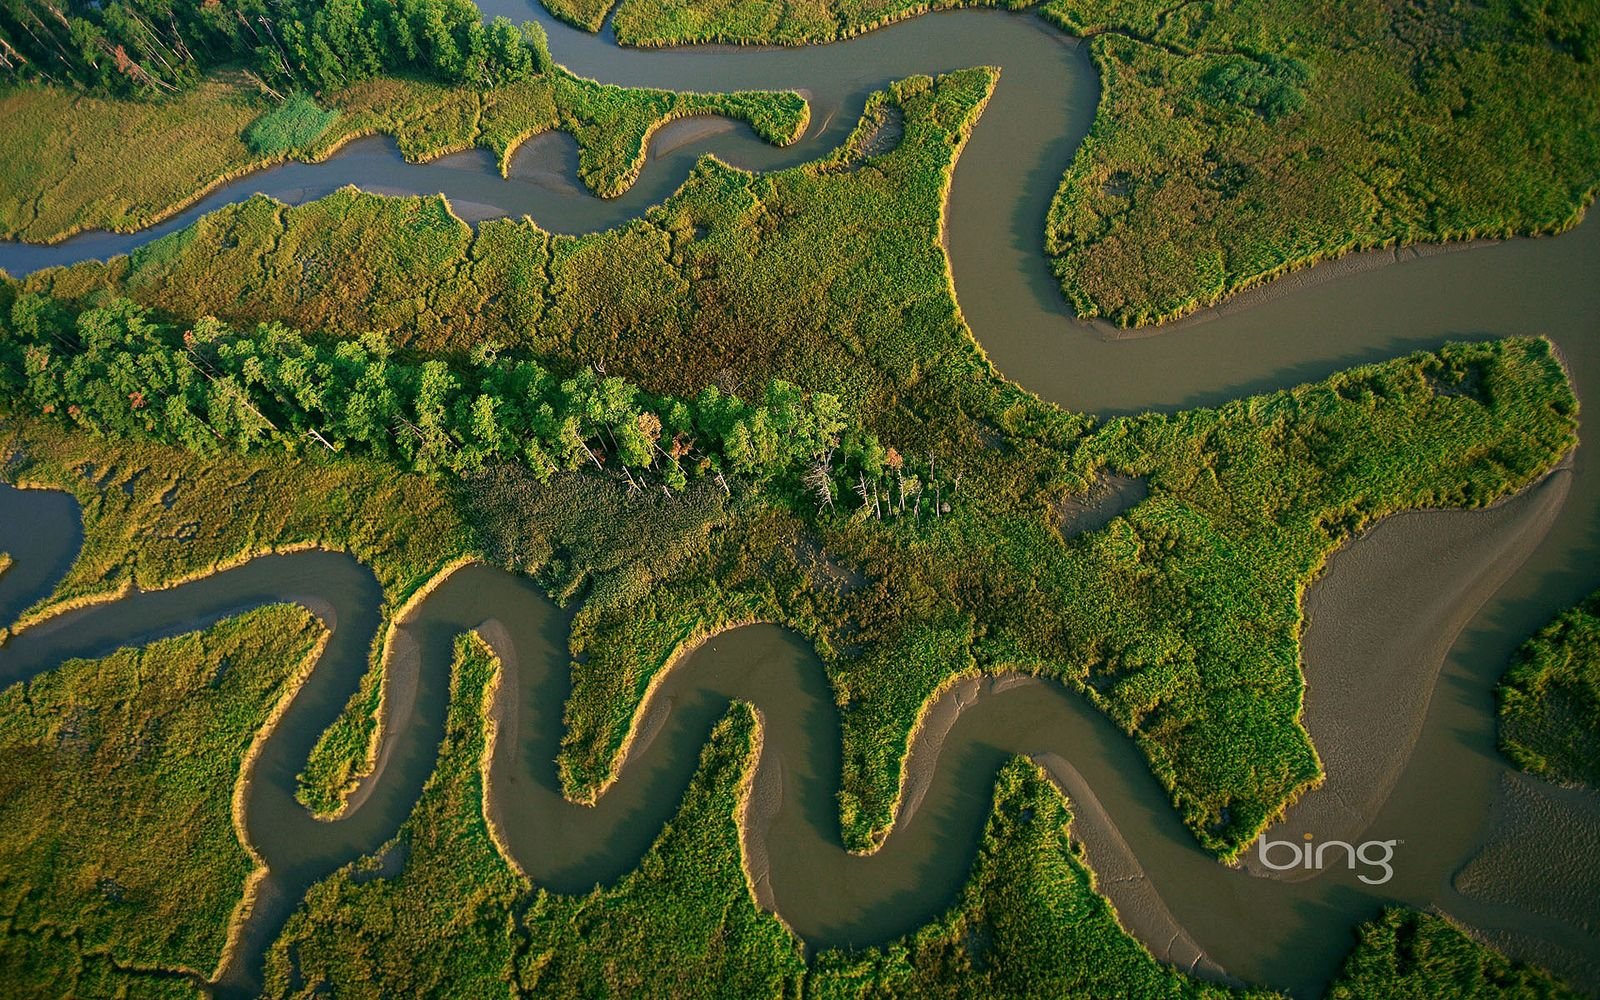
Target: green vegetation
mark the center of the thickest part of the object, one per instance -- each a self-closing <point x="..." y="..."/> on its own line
<point x="156" y="47"/>
<point x="1236" y="141"/>
<point x="750" y="22"/>
<point x="450" y="377"/>
<point x="118" y="859"/>
<point x="1029" y="922"/>
<point x="155" y="515"/>
<point x="443" y="925"/>
<point x="1408" y="955"/>
<point x="114" y="370"/>
<point x="292" y="124"/>
<point x="832" y="277"/>
<point x="740" y="279"/>
<point x="458" y="917"/>
<point x="1550" y="699"/>
<point x="78" y="162"/>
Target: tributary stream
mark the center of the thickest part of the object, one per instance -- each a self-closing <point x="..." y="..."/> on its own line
<point x="1407" y="632"/>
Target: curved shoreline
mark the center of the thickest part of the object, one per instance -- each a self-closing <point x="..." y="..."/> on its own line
<point x="395" y="672"/>
<point x="241" y="791"/>
<point x="1005" y="290"/>
<point x="1121" y="853"/>
<point x="1122" y="879"/>
<point x="1365" y="720"/>
<point x="1262" y="294"/>
<point x="1298" y="276"/>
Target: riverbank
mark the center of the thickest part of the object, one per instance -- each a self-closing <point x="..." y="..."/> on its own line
<point x="167" y="156"/>
<point x="1412" y="582"/>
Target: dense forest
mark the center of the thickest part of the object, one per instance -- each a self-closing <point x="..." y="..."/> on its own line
<point x="118" y="370"/>
<point x="154" y="46"/>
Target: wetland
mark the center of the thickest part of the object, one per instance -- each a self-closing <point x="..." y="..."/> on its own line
<point x="1406" y="629"/>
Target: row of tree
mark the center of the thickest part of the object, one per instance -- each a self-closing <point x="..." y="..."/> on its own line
<point x="117" y="370"/>
<point x="151" y="46"/>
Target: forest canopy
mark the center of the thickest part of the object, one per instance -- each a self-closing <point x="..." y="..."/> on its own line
<point x="162" y="46"/>
<point x="117" y="370"/>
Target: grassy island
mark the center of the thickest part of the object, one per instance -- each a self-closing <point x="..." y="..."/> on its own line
<point x="1550" y="699"/>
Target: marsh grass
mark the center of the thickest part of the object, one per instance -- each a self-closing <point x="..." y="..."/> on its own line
<point x="459" y="918"/>
<point x="154" y="515"/>
<point x="117" y="844"/>
<point x="74" y="162"/>
<point x="1409" y="955"/>
<point x="291" y="125"/>
<point x="833" y="278"/>
<point x="1235" y="142"/>
<point x="1549" y="700"/>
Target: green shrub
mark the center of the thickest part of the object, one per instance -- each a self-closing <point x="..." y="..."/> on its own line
<point x="293" y="124"/>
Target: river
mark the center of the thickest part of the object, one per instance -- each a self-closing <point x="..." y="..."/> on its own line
<point x="1428" y="606"/>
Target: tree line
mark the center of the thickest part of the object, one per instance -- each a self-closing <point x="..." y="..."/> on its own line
<point x="157" y="46"/>
<point x="117" y="369"/>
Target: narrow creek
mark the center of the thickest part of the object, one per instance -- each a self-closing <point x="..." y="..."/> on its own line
<point x="1407" y="631"/>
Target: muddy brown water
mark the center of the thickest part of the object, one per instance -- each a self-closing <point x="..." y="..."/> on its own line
<point x="1407" y="631"/>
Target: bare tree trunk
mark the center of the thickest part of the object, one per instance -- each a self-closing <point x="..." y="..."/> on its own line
<point x="314" y="433"/>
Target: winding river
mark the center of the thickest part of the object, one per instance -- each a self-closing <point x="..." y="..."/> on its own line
<point x="1407" y="631"/>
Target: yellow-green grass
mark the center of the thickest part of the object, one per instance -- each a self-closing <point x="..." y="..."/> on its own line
<point x="750" y="22"/>
<point x="155" y="515"/>
<point x="1234" y="142"/>
<point x="1550" y="699"/>
<point x="458" y="918"/>
<point x="1212" y="165"/>
<point x="1408" y="955"/>
<point x="120" y="868"/>
<point x="74" y="162"/>
<point x="834" y="278"/>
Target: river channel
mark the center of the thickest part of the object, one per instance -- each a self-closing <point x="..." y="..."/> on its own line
<point x="1407" y="630"/>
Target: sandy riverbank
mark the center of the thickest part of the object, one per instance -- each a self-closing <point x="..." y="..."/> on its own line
<point x="1379" y="623"/>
